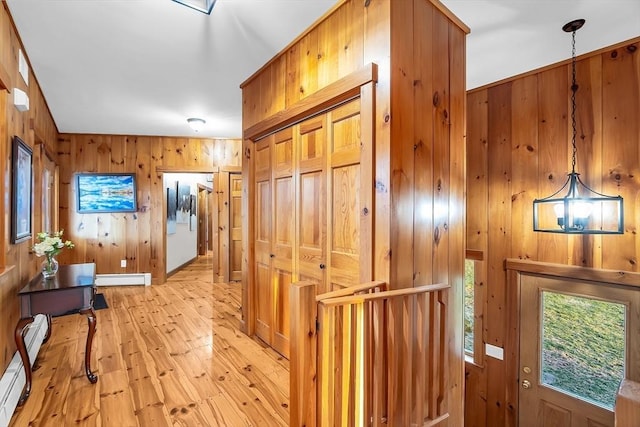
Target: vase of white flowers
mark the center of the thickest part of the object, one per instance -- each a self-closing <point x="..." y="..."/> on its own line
<point x="49" y="245"/>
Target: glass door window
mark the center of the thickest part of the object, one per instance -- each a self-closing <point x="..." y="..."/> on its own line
<point x="582" y="346"/>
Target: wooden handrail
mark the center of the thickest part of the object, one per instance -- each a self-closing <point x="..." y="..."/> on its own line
<point x="361" y="298"/>
<point x="378" y="358"/>
<point x="351" y="290"/>
<point x="382" y="358"/>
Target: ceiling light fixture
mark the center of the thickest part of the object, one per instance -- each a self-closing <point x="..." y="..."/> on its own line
<point x="196" y="123"/>
<point x="204" y="6"/>
<point x="581" y="210"/>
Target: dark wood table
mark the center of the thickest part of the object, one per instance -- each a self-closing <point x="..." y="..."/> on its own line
<point x="71" y="290"/>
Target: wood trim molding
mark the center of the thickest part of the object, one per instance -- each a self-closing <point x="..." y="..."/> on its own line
<point x="616" y="277"/>
<point x="340" y="91"/>
<point x="231" y="169"/>
<point x="4" y="271"/>
<point x="5" y="79"/>
<point x="187" y="169"/>
<point x="453" y="18"/>
<point x="474" y="254"/>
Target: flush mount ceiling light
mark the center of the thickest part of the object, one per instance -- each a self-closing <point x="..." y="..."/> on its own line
<point x="203" y="6"/>
<point x="196" y="123"/>
<point x="581" y="210"/>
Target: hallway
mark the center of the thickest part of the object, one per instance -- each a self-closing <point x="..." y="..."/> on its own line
<point x="165" y="355"/>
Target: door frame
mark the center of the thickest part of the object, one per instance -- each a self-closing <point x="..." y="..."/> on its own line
<point x="161" y="170"/>
<point x="223" y="221"/>
<point x="515" y="269"/>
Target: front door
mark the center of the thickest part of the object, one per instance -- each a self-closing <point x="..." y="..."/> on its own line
<point x="578" y="339"/>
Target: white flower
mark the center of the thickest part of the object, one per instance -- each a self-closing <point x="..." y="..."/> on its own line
<point x="50" y="244"/>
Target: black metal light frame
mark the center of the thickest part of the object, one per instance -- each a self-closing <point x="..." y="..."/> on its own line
<point x="578" y="194"/>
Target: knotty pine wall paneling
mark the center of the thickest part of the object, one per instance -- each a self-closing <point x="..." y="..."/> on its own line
<point x="418" y="129"/>
<point x="376" y="48"/>
<point x="621" y="150"/>
<point x="137" y="237"/>
<point x="519" y="147"/>
<point x="38" y="130"/>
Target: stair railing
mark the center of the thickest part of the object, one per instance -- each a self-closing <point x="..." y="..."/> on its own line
<point x="373" y="357"/>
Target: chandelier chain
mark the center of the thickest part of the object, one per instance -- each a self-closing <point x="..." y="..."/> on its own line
<point x="574" y="89"/>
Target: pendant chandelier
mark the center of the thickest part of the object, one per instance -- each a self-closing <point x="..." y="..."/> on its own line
<point x="575" y="208"/>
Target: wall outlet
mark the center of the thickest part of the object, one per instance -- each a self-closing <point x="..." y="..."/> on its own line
<point x="123" y="263"/>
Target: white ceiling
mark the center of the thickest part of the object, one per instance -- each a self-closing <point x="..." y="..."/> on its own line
<point x="141" y="67"/>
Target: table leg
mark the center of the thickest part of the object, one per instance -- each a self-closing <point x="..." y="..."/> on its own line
<point x="21" y="328"/>
<point x="91" y="318"/>
<point x="46" y="337"/>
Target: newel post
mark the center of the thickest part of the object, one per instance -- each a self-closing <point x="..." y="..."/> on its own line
<point x="303" y="354"/>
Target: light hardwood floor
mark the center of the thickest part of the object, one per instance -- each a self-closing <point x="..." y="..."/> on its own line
<point x="165" y="355"/>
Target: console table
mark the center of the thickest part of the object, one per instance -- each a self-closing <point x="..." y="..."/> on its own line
<point x="71" y="290"/>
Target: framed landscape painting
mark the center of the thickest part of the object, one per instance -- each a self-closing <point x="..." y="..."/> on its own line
<point x="106" y="192"/>
<point x="22" y="185"/>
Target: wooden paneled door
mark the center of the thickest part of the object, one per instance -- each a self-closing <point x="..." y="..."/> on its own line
<point x="204" y="206"/>
<point x="578" y="339"/>
<point x="284" y="232"/>
<point x="235" y="226"/>
<point x="313" y="189"/>
<point x="349" y="210"/>
<point x="311" y="201"/>
<point x="274" y="228"/>
<point x="263" y="293"/>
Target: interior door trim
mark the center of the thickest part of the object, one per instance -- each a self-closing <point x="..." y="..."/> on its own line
<point x="324" y="99"/>
<point x="616" y="277"/>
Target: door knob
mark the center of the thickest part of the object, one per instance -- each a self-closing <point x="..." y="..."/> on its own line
<point x="272" y="255"/>
<point x="322" y="266"/>
<point x="526" y="384"/>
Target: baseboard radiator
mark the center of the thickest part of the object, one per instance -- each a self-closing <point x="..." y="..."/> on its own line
<point x="13" y="379"/>
<point x="123" y="279"/>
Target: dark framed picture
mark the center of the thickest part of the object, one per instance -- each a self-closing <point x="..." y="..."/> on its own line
<point x="22" y="185"/>
<point x="184" y="203"/>
<point x="106" y="192"/>
<point x="172" y="207"/>
<point x="193" y="215"/>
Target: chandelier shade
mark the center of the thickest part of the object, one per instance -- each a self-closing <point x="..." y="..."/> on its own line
<point x="576" y="208"/>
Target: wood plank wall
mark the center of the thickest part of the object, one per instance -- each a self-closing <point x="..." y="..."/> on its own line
<point x="137" y="237"/>
<point x="518" y="149"/>
<point x="36" y="128"/>
<point x="418" y="133"/>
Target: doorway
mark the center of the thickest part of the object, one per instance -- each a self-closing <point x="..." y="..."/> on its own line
<point x="578" y="339"/>
<point x="183" y="214"/>
<point x="205" y="220"/>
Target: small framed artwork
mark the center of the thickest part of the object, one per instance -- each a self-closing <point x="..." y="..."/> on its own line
<point x="105" y="192"/>
<point x="22" y="185"/>
<point x="193" y="216"/>
<point x="184" y="203"/>
<point x="172" y="207"/>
